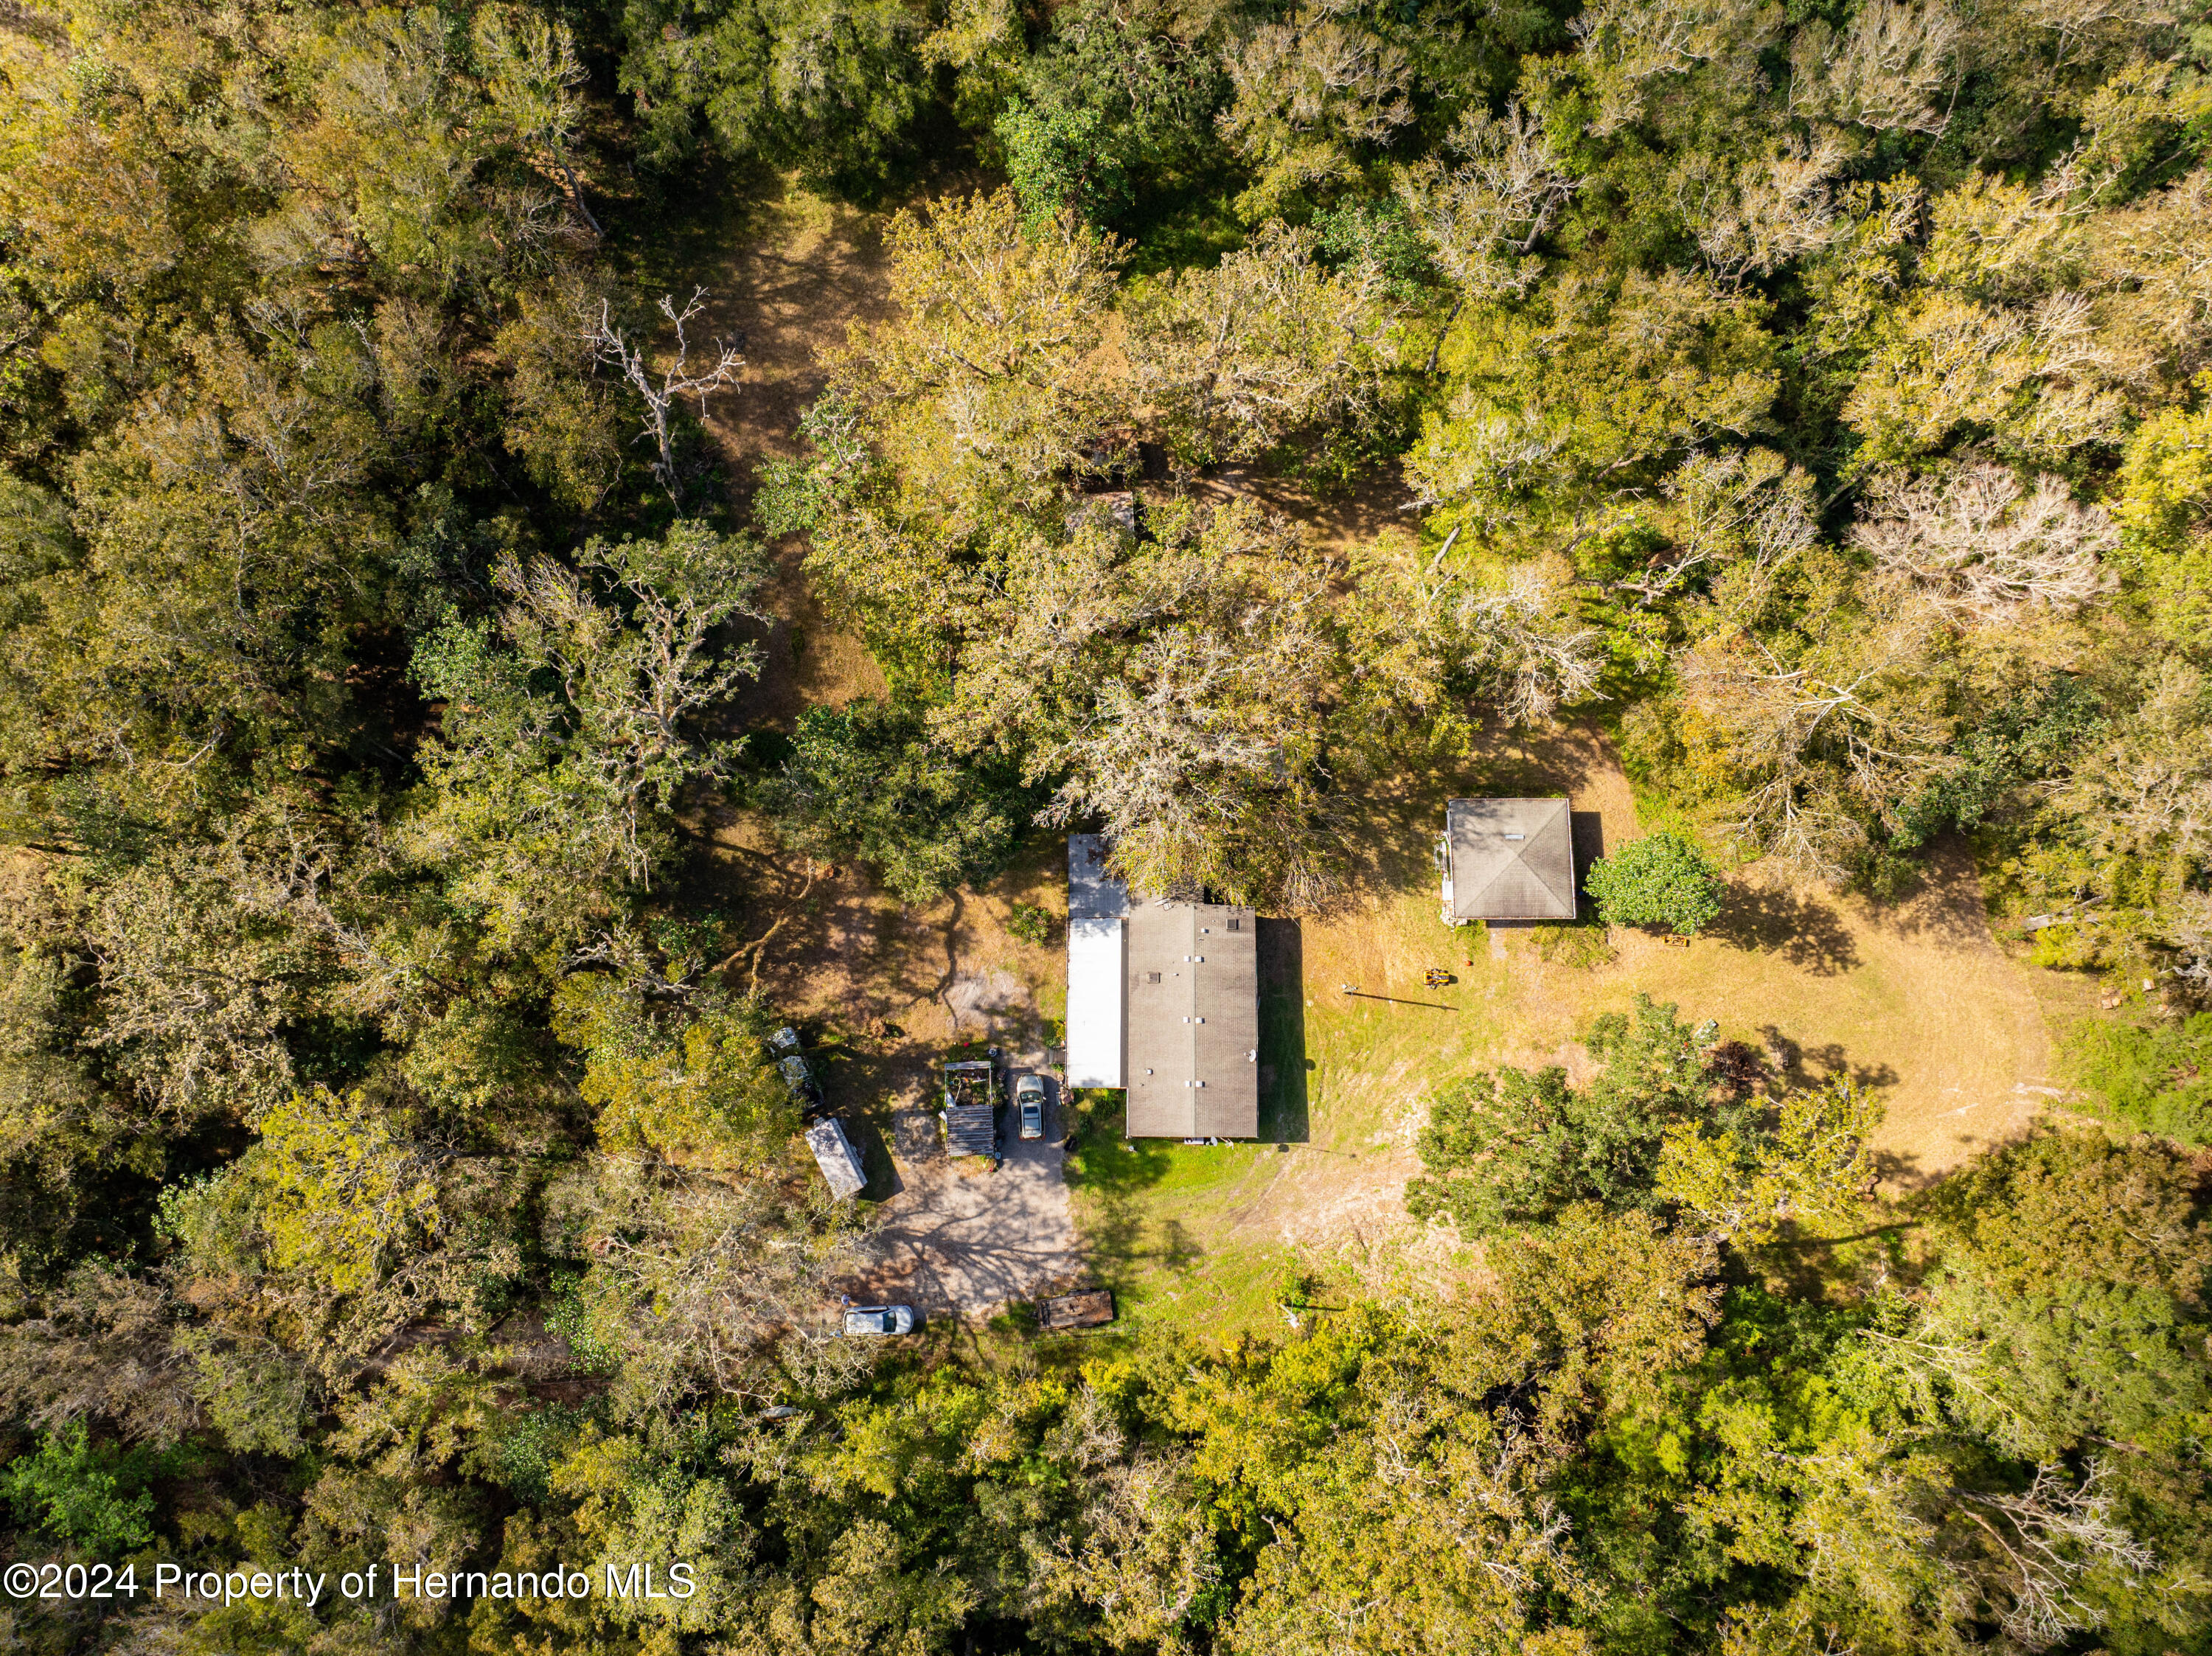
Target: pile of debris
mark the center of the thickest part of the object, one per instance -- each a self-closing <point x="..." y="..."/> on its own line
<point x="1092" y="1308"/>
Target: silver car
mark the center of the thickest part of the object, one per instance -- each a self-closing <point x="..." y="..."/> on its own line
<point x="879" y="1319"/>
<point x="1029" y="1104"/>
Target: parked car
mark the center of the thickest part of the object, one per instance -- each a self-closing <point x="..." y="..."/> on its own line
<point x="1029" y="1102"/>
<point x="879" y="1319"/>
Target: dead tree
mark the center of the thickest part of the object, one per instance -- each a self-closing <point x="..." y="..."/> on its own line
<point x="609" y="345"/>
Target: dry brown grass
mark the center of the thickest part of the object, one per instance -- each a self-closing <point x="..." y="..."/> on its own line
<point x="1916" y="999"/>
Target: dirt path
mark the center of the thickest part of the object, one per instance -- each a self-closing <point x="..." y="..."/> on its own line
<point x="810" y="271"/>
<point x="966" y="1241"/>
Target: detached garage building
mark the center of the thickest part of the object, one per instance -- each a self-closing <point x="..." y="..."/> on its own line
<point x="1507" y="859"/>
<point x="1162" y="1001"/>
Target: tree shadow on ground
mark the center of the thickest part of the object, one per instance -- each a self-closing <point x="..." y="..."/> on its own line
<point x="1099" y="1159"/>
<point x="1945" y="906"/>
<point x="1284" y="1065"/>
<point x="1801" y="1066"/>
<point x="1395" y="823"/>
<point x="1109" y="1174"/>
<point x="1179" y="1249"/>
<point x="1809" y="934"/>
<point x="873" y="1144"/>
<point x="1901" y="1168"/>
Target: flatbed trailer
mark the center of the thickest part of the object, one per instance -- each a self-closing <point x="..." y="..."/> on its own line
<point x="970" y="1114"/>
<point x="1091" y="1309"/>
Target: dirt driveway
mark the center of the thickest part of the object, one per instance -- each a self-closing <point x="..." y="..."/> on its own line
<point x="956" y="1241"/>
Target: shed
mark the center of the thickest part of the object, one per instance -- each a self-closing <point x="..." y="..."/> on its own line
<point x="1192" y="1060"/>
<point x="835" y="1154"/>
<point x="1508" y="859"/>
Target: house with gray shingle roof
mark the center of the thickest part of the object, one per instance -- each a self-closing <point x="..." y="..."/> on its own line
<point x="1163" y="1002"/>
<point x="1507" y="859"/>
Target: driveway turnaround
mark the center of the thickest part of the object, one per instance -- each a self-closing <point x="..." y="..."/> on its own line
<point x="963" y="1239"/>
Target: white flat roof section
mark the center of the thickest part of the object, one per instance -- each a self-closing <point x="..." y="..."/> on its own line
<point x="1094" y="1002"/>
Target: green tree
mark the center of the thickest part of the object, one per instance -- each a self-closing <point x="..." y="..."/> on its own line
<point x="1266" y="346"/>
<point x="1507" y="1149"/>
<point x="93" y="1494"/>
<point x="569" y="732"/>
<point x="681" y="1074"/>
<point x="1117" y="103"/>
<point x="867" y="781"/>
<point x="1745" y="1181"/>
<point x="835" y="87"/>
<point x="1056" y="164"/>
<point x="1659" y="880"/>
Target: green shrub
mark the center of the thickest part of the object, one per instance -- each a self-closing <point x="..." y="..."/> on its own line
<point x="1030" y="924"/>
<point x="92" y="1493"/>
<point x="2157" y="1076"/>
<point x="568" y="1315"/>
<point x="1662" y="879"/>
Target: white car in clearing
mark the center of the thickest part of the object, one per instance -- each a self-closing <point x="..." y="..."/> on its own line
<point x="879" y="1319"/>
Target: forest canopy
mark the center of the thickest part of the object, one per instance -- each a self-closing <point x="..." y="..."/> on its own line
<point x="397" y="1167"/>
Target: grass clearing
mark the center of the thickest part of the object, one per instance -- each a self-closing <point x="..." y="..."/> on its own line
<point x="1914" y="1000"/>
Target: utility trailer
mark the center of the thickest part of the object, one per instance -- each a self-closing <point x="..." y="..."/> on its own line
<point x="970" y="1114"/>
<point x="1091" y="1309"/>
